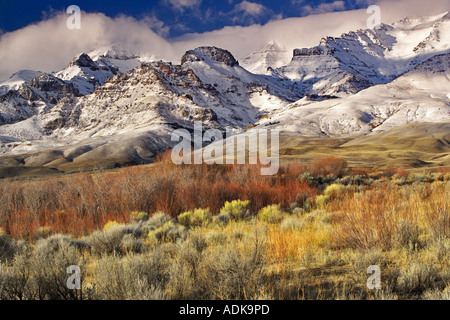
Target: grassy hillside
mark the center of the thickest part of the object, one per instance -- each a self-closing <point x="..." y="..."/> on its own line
<point x="413" y="146"/>
<point x="424" y="146"/>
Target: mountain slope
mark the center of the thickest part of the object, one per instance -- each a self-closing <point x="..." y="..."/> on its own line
<point x="421" y="95"/>
<point x="140" y="109"/>
<point x="112" y="107"/>
<point x="270" y="57"/>
<point x="339" y="67"/>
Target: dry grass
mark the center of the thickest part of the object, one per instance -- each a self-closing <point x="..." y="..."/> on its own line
<point x="297" y="248"/>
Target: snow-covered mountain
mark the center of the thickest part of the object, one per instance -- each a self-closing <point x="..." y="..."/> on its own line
<point x="339" y="67"/>
<point x="270" y="57"/>
<point x="89" y="71"/>
<point x="120" y="107"/>
<point x="420" y="95"/>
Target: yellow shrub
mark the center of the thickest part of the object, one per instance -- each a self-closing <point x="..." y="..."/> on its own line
<point x="196" y="218"/>
<point x="322" y="201"/>
<point x="335" y="190"/>
<point x="271" y="214"/>
<point x="237" y="209"/>
<point x="110" y="224"/>
<point x="138" y="216"/>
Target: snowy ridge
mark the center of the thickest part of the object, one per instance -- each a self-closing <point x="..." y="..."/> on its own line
<point x="418" y="96"/>
<point x="271" y="57"/>
<point x="115" y="104"/>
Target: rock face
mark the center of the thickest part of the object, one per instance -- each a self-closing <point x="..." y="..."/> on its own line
<point x="316" y="51"/>
<point x="84" y="61"/>
<point x="213" y="53"/>
<point x="48" y="83"/>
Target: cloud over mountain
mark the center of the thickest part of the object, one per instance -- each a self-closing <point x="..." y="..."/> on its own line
<point x="48" y="45"/>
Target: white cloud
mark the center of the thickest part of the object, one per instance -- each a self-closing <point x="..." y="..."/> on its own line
<point x="183" y="4"/>
<point x="290" y="33"/>
<point x="325" y="7"/>
<point x="307" y="31"/>
<point x="157" y="25"/>
<point x="392" y="10"/>
<point x="49" y="45"/>
<point x="250" y="8"/>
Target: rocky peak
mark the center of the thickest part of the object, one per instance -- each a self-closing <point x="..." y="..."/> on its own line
<point x="314" y="51"/>
<point x="48" y="83"/>
<point x="213" y="53"/>
<point x="83" y="61"/>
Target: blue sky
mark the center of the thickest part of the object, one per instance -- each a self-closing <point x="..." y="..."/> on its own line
<point x="34" y="34"/>
<point x="172" y="18"/>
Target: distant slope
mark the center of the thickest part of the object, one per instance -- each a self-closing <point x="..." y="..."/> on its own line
<point x="412" y="146"/>
<point x="421" y="95"/>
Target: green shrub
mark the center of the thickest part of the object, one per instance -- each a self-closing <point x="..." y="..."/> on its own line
<point x="110" y="224"/>
<point x="49" y="265"/>
<point x="335" y="190"/>
<point x="222" y="219"/>
<point x="132" y="278"/>
<point x="271" y="214"/>
<point x="7" y="247"/>
<point x="238" y="273"/>
<point x="237" y="209"/>
<point x="107" y="242"/>
<point x="138" y="216"/>
<point x="132" y="244"/>
<point x="217" y="238"/>
<point x="291" y="224"/>
<point x="169" y="232"/>
<point x="184" y="271"/>
<point x="437" y="294"/>
<point x="367" y="258"/>
<point x="43" y="232"/>
<point x="16" y="282"/>
<point x="159" y="219"/>
<point x="407" y="235"/>
<point x="417" y="278"/>
<point x="196" y="218"/>
<point x="322" y="201"/>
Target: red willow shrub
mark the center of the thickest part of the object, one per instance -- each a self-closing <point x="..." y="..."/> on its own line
<point x="81" y="203"/>
<point x="329" y="166"/>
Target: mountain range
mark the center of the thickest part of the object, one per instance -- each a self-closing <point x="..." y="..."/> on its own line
<point x="113" y="107"/>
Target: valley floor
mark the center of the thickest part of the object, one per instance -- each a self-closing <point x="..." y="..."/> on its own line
<point x="216" y="232"/>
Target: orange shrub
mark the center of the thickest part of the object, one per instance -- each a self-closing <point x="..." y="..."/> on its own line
<point x="329" y="166"/>
<point x="82" y="203"/>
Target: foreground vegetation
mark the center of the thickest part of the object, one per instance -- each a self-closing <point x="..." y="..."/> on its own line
<point x="205" y="232"/>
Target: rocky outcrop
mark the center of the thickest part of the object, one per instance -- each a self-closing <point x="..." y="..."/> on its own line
<point x="213" y="53"/>
<point x="315" y="51"/>
<point x="307" y="52"/>
<point x="48" y="83"/>
<point x="83" y="61"/>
